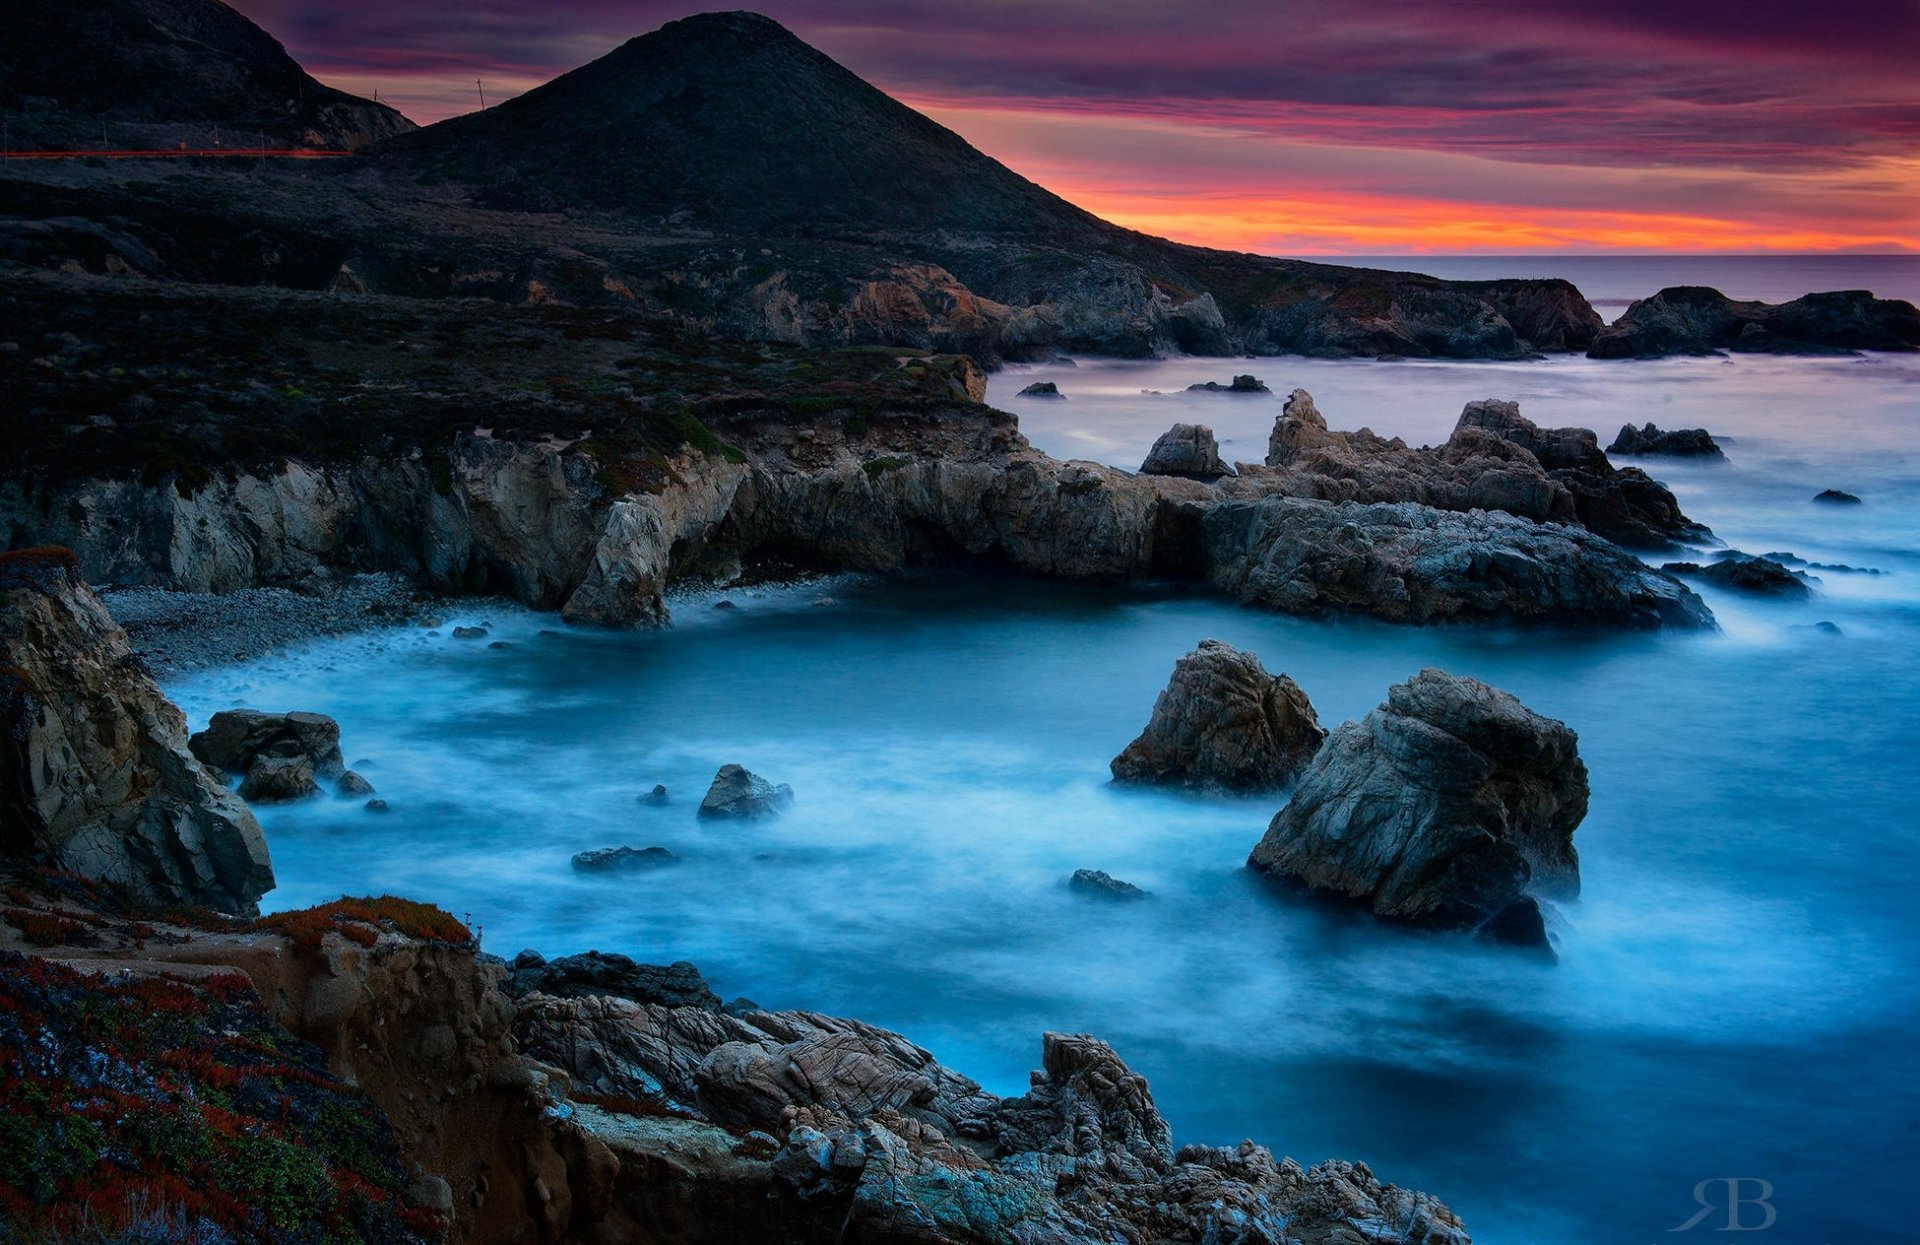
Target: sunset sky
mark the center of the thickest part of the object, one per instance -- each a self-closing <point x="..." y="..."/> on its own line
<point x="1316" y="127"/>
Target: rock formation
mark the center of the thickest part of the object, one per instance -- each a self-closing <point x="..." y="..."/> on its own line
<point x="95" y="774"/>
<point x="605" y="973"/>
<point x="1443" y="808"/>
<point x="1099" y="884"/>
<point x="1696" y="320"/>
<point x="1187" y="450"/>
<point x="1834" y="496"/>
<point x="1679" y="443"/>
<point x="236" y="739"/>
<point x="1041" y="389"/>
<point x="1239" y="384"/>
<point x="737" y="792"/>
<point x="623" y="859"/>
<point x="1762" y="576"/>
<point x="1223" y="723"/>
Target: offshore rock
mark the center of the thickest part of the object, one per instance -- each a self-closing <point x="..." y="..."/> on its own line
<point x="95" y="773"/>
<point x="1835" y="497"/>
<point x="616" y="976"/>
<point x="1100" y="884"/>
<point x="1041" y="389"/>
<point x="1762" y="576"/>
<point x="1239" y="384"/>
<point x="1442" y="808"/>
<point x="623" y="859"/>
<point x="1187" y="450"/>
<point x="279" y="780"/>
<point x="1679" y="443"/>
<point x="737" y="792"/>
<point x="1223" y="723"/>
<point x="1697" y="320"/>
<point x="237" y="739"/>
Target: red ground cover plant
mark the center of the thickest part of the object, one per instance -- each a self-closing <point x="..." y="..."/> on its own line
<point x="364" y="920"/>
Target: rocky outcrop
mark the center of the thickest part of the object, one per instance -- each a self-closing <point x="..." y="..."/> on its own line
<point x="739" y="793"/>
<point x="1041" y="389"/>
<point x="1836" y="497"/>
<point x="1099" y="884"/>
<point x="1761" y="576"/>
<point x="1445" y="807"/>
<point x="1678" y="443"/>
<point x="1187" y="450"/>
<point x="605" y="973"/>
<point x="1239" y="384"/>
<point x="1223" y="723"/>
<point x="95" y="773"/>
<point x="623" y="859"/>
<point x="1697" y="320"/>
<point x="237" y="739"/>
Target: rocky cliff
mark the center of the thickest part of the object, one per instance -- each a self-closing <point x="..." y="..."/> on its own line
<point x="95" y="775"/>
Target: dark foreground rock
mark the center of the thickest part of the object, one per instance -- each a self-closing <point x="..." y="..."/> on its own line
<point x="1835" y="497"/>
<point x="1762" y="576"/>
<point x="1041" y="389"/>
<point x="1443" y="808"/>
<point x="1099" y="884"/>
<point x="736" y="792"/>
<point x="1223" y="723"/>
<point x="616" y="976"/>
<point x="1187" y="450"/>
<point x="237" y="739"/>
<point x="1239" y="384"/>
<point x="95" y="773"/>
<point x="623" y="859"/>
<point x="1698" y="320"/>
<point x="1677" y="443"/>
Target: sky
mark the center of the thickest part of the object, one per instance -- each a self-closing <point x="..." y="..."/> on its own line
<point x="1312" y="127"/>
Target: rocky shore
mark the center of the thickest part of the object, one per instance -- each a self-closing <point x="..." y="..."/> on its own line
<point x="177" y="632"/>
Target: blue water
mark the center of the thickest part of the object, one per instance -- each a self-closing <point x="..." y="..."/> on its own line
<point x="1736" y="996"/>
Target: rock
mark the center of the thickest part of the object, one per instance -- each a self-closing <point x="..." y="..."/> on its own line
<point x="95" y="773"/>
<point x="1223" y="723"/>
<point x="1521" y="923"/>
<point x="623" y="859"/>
<point x="1828" y="628"/>
<point x="1187" y="450"/>
<point x="1834" y="496"/>
<point x="1679" y="443"/>
<point x="1442" y="808"/>
<point x="379" y="806"/>
<point x="656" y="796"/>
<point x="470" y="633"/>
<point x="351" y="784"/>
<point x="1102" y="885"/>
<point x="278" y="780"/>
<point x="1744" y="574"/>
<point x="737" y="793"/>
<point x="1240" y="384"/>
<point x="236" y="738"/>
<point x="1697" y="320"/>
<point x="595" y="973"/>
<point x="1041" y="389"/>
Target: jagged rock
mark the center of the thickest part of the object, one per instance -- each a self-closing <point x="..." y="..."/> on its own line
<point x="1187" y="450"/>
<point x="1240" y="384"/>
<point x="736" y="792"/>
<point x="279" y="780"/>
<point x="351" y="784"/>
<point x="1100" y="884"/>
<point x="1224" y="723"/>
<point x="1443" y="807"/>
<point x="616" y="976"/>
<point x="623" y="859"/>
<point x="1834" y="496"/>
<point x="1042" y="389"/>
<point x="95" y="773"/>
<point x="238" y="738"/>
<point x="1410" y="563"/>
<point x="1743" y="574"/>
<point x="1697" y="320"/>
<point x="1299" y="426"/>
<point x="1679" y="443"/>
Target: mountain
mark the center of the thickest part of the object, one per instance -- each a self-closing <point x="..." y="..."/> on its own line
<point x="156" y="73"/>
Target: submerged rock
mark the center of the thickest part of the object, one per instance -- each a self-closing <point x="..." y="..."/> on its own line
<point x="736" y="792"/>
<point x="236" y="738"/>
<point x="1223" y="723"/>
<point x="378" y="806"/>
<point x="656" y="796"/>
<point x="1187" y="450"/>
<point x="1103" y="885"/>
<point x="623" y="859"/>
<point x="1444" y="807"/>
<point x="1240" y="384"/>
<point x="469" y="633"/>
<point x="95" y="772"/>
<point x="1679" y="442"/>
<point x="1746" y="574"/>
<point x="1834" y="496"/>
<point x="1042" y="389"/>
<point x="352" y="784"/>
<point x="602" y="973"/>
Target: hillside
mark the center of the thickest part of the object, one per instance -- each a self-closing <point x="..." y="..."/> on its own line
<point x="156" y="73"/>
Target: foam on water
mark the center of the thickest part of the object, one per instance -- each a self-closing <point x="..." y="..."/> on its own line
<point x="1735" y="996"/>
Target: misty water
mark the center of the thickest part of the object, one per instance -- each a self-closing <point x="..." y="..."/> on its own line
<point x="1735" y="997"/>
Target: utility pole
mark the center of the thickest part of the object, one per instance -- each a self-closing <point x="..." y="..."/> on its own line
<point x="481" y="87"/>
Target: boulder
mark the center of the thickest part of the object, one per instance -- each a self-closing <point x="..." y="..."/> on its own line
<point x="1763" y="576"/>
<point x="469" y="633"/>
<point x="1099" y="884"/>
<point x="1239" y="384"/>
<point x="1041" y="389"/>
<point x="236" y="738"/>
<point x="1677" y="443"/>
<point x="378" y="806"/>
<point x="1299" y="426"/>
<point x="1835" y="497"/>
<point x="601" y="973"/>
<point x="1223" y="723"/>
<point x="352" y="785"/>
<point x="623" y="859"/>
<point x="279" y="780"/>
<point x="95" y="773"/>
<point x="1187" y="450"/>
<point x="656" y="796"/>
<point x="1444" y="807"/>
<point x="739" y="793"/>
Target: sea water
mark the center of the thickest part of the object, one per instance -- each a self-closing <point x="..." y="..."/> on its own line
<point x="1735" y="999"/>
